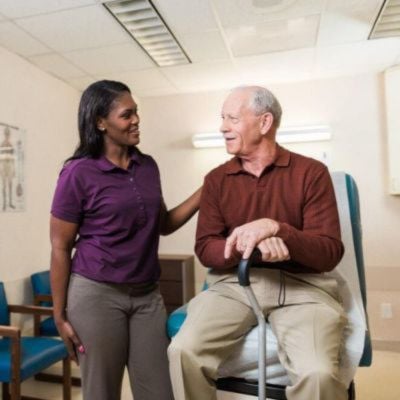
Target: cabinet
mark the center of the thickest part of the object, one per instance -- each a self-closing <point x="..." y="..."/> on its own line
<point x="177" y="279"/>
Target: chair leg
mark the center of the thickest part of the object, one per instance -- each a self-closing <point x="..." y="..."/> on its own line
<point x="6" y="391"/>
<point x="66" y="378"/>
<point x="16" y="390"/>
<point x="16" y="369"/>
<point x="352" y="391"/>
<point x="52" y="378"/>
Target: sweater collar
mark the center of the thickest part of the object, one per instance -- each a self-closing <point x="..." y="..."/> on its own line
<point x="282" y="159"/>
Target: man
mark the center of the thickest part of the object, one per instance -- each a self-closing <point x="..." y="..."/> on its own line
<point x="282" y="203"/>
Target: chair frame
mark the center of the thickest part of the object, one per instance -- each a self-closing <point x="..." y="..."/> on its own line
<point x="262" y="389"/>
<point x="38" y="299"/>
<point x="277" y="392"/>
<point x="12" y="390"/>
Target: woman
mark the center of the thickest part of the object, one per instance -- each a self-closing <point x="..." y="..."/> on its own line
<point x="108" y="206"/>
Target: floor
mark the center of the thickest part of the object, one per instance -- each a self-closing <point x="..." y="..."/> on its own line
<point x="381" y="381"/>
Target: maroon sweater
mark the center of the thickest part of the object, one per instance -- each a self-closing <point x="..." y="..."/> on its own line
<point x="296" y="191"/>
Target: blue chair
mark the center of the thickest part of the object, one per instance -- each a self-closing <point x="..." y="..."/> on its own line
<point x="42" y="297"/>
<point x="40" y="282"/>
<point x="346" y="192"/>
<point x="22" y="357"/>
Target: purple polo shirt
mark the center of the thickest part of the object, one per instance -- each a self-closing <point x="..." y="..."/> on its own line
<point x="118" y="215"/>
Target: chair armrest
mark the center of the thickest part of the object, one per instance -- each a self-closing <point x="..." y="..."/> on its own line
<point x="43" y="297"/>
<point x="10" y="331"/>
<point x="35" y="310"/>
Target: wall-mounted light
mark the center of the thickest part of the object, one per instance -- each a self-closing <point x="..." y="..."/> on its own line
<point x="298" y="134"/>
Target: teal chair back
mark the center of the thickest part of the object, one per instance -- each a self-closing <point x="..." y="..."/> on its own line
<point x="355" y="216"/>
<point x="40" y="282"/>
<point x="41" y="285"/>
<point x="4" y="314"/>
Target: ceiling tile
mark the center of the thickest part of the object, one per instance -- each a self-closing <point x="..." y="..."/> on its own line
<point x="273" y="36"/>
<point x="203" y="76"/>
<point x="80" y="83"/>
<point x="155" y="92"/>
<point x="103" y="60"/>
<point x="361" y="57"/>
<point x="57" y="65"/>
<point x="149" y="82"/>
<point x="245" y="13"/>
<point x="141" y="80"/>
<point x="288" y="66"/>
<point x="346" y="21"/>
<point x="15" y="39"/>
<point x="337" y="29"/>
<point x="365" y="10"/>
<point x="194" y="26"/>
<point x="80" y="28"/>
<point x="204" y="46"/>
<point x="24" y="8"/>
<point x="184" y="16"/>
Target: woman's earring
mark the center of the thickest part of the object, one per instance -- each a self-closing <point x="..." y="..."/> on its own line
<point x="101" y="128"/>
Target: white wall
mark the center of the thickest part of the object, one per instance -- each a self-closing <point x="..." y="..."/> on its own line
<point x="46" y="108"/>
<point x="352" y="106"/>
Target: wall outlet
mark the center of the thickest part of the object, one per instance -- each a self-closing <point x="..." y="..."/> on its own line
<point x="386" y="311"/>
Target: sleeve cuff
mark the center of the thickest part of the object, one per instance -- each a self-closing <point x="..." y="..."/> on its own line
<point x="284" y="231"/>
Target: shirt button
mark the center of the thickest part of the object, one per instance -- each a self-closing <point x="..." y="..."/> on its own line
<point x="131" y="179"/>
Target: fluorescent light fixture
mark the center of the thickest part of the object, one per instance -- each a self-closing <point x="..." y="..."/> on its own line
<point x="387" y="23"/>
<point x="144" y="23"/>
<point x="203" y="140"/>
<point x="300" y="134"/>
<point x="303" y="134"/>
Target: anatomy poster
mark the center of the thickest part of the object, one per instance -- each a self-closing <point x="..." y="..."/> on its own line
<point x="12" y="190"/>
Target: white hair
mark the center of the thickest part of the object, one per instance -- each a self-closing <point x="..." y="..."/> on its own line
<point x="262" y="100"/>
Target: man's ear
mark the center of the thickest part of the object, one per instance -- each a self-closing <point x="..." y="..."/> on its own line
<point x="267" y="120"/>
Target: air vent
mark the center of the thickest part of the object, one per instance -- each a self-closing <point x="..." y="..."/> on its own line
<point x="144" y="23"/>
<point x="387" y="23"/>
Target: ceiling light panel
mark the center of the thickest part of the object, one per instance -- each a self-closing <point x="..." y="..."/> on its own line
<point x="143" y="22"/>
<point x="387" y="23"/>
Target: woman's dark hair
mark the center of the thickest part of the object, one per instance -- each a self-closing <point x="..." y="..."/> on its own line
<point x="96" y="102"/>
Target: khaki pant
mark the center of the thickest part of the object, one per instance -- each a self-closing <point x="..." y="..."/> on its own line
<point x="309" y="329"/>
<point x="119" y="328"/>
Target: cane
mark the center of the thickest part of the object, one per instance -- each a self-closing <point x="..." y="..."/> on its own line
<point x="244" y="281"/>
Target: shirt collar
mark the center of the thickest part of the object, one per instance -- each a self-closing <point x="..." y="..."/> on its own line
<point x="282" y="159"/>
<point x="105" y="165"/>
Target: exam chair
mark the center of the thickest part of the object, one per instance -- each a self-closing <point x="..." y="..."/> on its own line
<point x="45" y="325"/>
<point x="351" y="276"/>
<point x="21" y="357"/>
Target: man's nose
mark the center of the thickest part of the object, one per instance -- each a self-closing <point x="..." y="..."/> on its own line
<point x="224" y="127"/>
